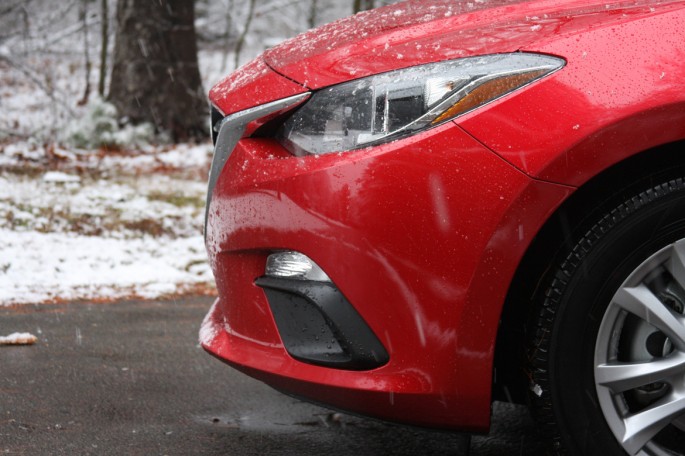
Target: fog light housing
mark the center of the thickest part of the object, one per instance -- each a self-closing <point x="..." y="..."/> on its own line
<point x="316" y="322"/>
<point x="294" y="265"/>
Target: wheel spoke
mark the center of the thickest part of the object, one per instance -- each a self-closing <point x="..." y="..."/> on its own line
<point x="676" y="265"/>
<point x="620" y="377"/>
<point x="643" y="426"/>
<point x="644" y="304"/>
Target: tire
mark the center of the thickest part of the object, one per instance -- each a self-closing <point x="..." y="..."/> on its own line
<point x="589" y="344"/>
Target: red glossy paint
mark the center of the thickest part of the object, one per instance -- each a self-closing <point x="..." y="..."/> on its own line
<point x="609" y="102"/>
<point x="424" y="235"/>
<point x="416" y="32"/>
<point x="256" y="83"/>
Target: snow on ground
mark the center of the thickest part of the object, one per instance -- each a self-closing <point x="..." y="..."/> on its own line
<point x="18" y="339"/>
<point x="39" y="267"/>
<point x="102" y="226"/>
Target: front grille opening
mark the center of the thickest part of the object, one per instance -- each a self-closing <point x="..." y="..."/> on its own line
<point x="215" y="122"/>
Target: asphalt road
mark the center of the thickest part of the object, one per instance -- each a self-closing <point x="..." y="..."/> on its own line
<point x="130" y="379"/>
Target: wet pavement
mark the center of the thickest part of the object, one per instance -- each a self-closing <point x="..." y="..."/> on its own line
<point x="130" y="378"/>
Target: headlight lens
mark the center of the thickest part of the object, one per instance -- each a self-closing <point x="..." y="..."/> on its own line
<point x="391" y="105"/>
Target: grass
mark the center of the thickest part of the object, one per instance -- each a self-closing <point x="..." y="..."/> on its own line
<point x="177" y="199"/>
<point x="89" y="208"/>
<point x="51" y="220"/>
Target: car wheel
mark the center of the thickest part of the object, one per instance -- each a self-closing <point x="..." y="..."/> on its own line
<point x="606" y="344"/>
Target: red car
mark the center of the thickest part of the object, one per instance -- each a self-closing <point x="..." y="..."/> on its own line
<point x="426" y="207"/>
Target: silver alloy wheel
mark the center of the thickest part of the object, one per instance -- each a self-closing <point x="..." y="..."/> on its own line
<point x="640" y="356"/>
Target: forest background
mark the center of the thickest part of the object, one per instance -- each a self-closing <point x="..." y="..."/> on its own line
<point x="101" y="189"/>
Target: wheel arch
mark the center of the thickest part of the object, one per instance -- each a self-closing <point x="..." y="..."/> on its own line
<point x="562" y="228"/>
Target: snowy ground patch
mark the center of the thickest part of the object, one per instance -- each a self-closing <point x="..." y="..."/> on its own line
<point x="18" y="339"/>
<point x="102" y="226"/>
<point x="39" y="267"/>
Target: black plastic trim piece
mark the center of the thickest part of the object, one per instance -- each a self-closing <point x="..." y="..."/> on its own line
<point x="318" y="325"/>
<point x="215" y="118"/>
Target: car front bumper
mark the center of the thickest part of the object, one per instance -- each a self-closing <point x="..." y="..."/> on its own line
<point x="421" y="236"/>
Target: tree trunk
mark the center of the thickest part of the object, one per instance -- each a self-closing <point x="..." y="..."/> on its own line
<point x="243" y="34"/>
<point x="104" y="30"/>
<point x="155" y="76"/>
<point x="228" y="35"/>
<point x="362" y="5"/>
<point x="83" y="17"/>
<point x="311" y="17"/>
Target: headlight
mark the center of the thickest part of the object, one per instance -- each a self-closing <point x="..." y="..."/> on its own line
<point x="391" y="105"/>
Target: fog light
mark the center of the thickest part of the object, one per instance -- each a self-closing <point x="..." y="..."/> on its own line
<point x="294" y="265"/>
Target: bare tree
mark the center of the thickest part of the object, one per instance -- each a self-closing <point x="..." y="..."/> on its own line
<point x="229" y="31"/>
<point x="83" y="17"/>
<point x="362" y="5"/>
<point x="311" y="17"/>
<point x="243" y="34"/>
<point x="104" y="35"/>
<point x="155" y="76"/>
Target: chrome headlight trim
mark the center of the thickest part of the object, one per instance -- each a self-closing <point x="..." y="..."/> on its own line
<point x="231" y="129"/>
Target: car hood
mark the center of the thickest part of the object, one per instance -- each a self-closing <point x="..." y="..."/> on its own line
<point x="420" y="31"/>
